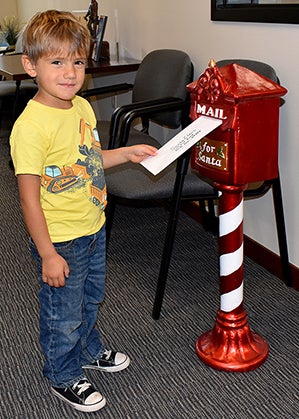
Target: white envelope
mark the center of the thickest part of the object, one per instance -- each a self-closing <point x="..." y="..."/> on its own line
<point x="180" y="143"/>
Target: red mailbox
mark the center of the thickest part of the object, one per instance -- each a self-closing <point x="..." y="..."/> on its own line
<point x="244" y="148"/>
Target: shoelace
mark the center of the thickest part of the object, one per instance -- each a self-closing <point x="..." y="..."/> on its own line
<point x="106" y="354"/>
<point x="82" y="387"/>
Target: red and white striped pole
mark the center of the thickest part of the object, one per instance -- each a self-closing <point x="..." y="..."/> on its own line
<point x="230" y="345"/>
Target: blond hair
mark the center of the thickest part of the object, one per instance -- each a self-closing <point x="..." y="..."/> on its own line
<point x="48" y="32"/>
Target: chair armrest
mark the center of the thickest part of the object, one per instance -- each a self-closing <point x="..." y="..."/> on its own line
<point x="124" y="109"/>
<point x="97" y="91"/>
<point x="168" y="104"/>
<point x="259" y="190"/>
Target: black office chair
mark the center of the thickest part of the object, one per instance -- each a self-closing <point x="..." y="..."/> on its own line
<point x="159" y="90"/>
<point x="255" y="191"/>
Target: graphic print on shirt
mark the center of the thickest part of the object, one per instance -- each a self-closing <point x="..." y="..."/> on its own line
<point x="88" y="170"/>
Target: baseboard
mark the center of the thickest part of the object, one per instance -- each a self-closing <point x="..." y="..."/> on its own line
<point x="254" y="250"/>
<point x="269" y="260"/>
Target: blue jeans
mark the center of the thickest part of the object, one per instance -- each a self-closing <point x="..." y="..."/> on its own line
<point x="68" y="314"/>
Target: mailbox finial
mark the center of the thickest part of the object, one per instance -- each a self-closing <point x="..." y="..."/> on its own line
<point x="212" y="63"/>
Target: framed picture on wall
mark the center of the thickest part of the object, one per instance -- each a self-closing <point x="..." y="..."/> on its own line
<point x="96" y="55"/>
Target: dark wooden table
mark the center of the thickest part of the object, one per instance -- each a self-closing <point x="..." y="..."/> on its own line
<point x="11" y="67"/>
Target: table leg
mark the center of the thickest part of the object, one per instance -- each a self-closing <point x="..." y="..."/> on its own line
<point x="16" y="100"/>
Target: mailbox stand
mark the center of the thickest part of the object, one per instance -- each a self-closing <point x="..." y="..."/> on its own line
<point x="243" y="149"/>
<point x="230" y="345"/>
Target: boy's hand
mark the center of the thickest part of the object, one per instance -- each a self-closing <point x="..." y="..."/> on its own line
<point x="137" y="153"/>
<point x="54" y="270"/>
<point x="121" y="155"/>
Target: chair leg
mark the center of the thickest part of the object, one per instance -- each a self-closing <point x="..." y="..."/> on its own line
<point x="209" y="219"/>
<point x="110" y="210"/>
<point x="204" y="214"/>
<point x="166" y="256"/>
<point x="170" y="234"/>
<point x="281" y="231"/>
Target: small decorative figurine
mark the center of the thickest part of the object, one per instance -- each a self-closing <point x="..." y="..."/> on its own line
<point x="92" y="19"/>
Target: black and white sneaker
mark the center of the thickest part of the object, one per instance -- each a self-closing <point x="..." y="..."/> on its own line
<point x="82" y="396"/>
<point x="110" y="361"/>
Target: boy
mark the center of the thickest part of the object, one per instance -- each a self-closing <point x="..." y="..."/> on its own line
<point x="59" y="166"/>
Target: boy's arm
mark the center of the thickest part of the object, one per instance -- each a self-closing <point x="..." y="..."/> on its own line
<point x="121" y="155"/>
<point x="54" y="267"/>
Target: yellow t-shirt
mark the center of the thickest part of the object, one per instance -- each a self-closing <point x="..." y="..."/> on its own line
<point x="63" y="148"/>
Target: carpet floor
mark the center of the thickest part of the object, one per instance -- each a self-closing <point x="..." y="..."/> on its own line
<point x="166" y="379"/>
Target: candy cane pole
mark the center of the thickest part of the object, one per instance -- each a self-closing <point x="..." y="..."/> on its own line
<point x="231" y="345"/>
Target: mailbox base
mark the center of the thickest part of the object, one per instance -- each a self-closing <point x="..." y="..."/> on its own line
<point x="231" y="346"/>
